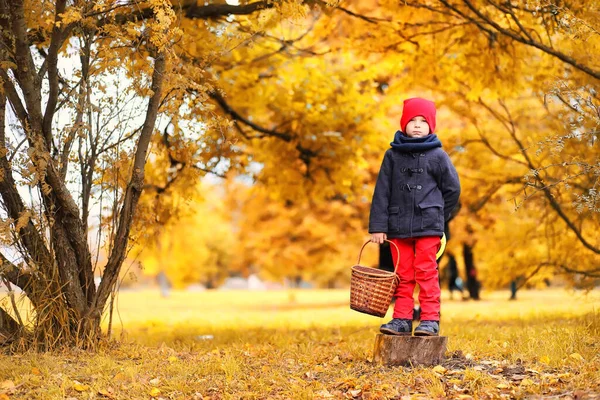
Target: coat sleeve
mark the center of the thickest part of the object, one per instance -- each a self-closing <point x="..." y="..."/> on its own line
<point x="449" y="185"/>
<point x="378" y="218"/>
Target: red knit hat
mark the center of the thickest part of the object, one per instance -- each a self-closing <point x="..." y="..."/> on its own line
<point x="415" y="107"/>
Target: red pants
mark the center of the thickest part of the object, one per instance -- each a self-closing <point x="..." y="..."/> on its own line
<point x="417" y="265"/>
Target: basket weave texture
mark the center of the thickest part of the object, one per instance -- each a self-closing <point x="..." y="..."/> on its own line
<point x="372" y="289"/>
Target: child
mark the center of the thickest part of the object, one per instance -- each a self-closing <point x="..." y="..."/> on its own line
<point x="416" y="190"/>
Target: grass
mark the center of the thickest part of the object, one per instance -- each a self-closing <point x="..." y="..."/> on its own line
<point x="309" y="345"/>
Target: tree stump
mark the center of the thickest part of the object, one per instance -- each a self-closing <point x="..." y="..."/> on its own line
<point x="409" y="350"/>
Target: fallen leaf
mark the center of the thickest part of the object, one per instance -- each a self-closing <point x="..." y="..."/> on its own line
<point x="439" y="369"/>
<point x="155" y="381"/>
<point x="80" y="387"/>
<point x="526" y="382"/>
<point x="105" y="393"/>
<point x="545" y="359"/>
<point x="154" y="392"/>
<point x="7" y="385"/>
<point x="35" y="371"/>
<point x="324" y="394"/>
<point x="173" y="359"/>
<point x="502" y="386"/>
<point x="577" y="356"/>
<point x="120" y="377"/>
<point x="4" y="396"/>
<point x="355" y="393"/>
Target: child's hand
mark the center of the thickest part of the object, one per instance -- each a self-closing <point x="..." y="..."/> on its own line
<point x="378" y="237"/>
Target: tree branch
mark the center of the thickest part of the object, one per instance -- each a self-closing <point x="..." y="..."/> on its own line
<point x="134" y="189"/>
<point x="547" y="193"/>
<point x="25" y="72"/>
<point x="525" y="40"/>
<point x="221" y="10"/>
<point x="12" y="201"/>
<point x="474" y="208"/>
<point x="23" y="280"/>
<point x="51" y="61"/>
<point x="215" y="95"/>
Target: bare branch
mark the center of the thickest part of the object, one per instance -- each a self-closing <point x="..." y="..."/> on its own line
<point x="371" y="20"/>
<point x="546" y="190"/>
<point x="12" y="199"/>
<point x="25" y="72"/>
<point x="51" y="61"/>
<point x="17" y="277"/>
<point x="14" y="99"/>
<point x="134" y="188"/>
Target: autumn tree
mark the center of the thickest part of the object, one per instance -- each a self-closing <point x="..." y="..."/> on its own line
<point x="329" y="86"/>
<point x="60" y="124"/>
<point x="300" y="96"/>
<point x="92" y="91"/>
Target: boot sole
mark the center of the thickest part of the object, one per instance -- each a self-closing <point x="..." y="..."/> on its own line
<point x="424" y="333"/>
<point x="393" y="332"/>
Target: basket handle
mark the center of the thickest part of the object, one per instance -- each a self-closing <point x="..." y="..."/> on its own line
<point x="397" y="249"/>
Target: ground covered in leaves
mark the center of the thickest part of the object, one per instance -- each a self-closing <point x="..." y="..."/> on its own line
<point x="309" y="345"/>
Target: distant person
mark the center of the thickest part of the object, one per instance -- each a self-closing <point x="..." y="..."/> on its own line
<point x="455" y="283"/>
<point x="164" y="284"/>
<point x="415" y="193"/>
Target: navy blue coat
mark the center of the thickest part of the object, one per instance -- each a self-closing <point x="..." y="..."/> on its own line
<point x="415" y="194"/>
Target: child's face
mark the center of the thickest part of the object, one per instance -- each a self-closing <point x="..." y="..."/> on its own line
<point x="417" y="127"/>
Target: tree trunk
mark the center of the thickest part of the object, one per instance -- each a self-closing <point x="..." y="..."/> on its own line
<point x="409" y="350"/>
<point x="9" y="328"/>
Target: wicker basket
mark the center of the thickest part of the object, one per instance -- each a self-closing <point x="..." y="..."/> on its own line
<point x="371" y="289"/>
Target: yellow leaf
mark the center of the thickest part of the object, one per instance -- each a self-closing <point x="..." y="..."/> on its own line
<point x="104" y="393"/>
<point x="120" y="377"/>
<point x="4" y="396"/>
<point x="545" y="359"/>
<point x="526" y="382"/>
<point x="80" y="387"/>
<point x="7" y="385"/>
<point x="173" y="359"/>
<point x="577" y="356"/>
<point x="502" y="386"/>
<point x="155" y="392"/>
<point x="439" y="369"/>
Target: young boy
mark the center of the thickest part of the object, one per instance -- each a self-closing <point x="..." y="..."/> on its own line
<point x="416" y="191"/>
